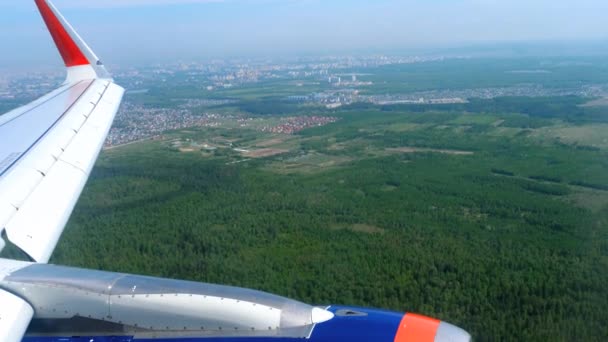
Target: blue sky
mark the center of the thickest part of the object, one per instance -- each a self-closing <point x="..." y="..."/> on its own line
<point x="161" y="30"/>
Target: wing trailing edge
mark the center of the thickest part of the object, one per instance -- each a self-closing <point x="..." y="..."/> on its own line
<point x="80" y="61"/>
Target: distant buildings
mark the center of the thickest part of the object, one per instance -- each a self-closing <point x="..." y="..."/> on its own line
<point x="337" y="81"/>
<point x="291" y="125"/>
<point x="135" y="122"/>
<point x="331" y="78"/>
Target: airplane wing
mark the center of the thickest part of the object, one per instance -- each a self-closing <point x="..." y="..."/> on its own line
<point x="47" y="151"/>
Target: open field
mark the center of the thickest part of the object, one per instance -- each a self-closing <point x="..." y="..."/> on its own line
<point x="602" y="102"/>
<point x="360" y="228"/>
<point x="265" y="152"/>
<point x="430" y="150"/>
<point x="585" y="135"/>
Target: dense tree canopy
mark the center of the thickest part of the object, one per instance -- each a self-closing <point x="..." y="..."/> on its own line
<point x="505" y="241"/>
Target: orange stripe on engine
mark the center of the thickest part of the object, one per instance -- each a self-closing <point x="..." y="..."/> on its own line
<point x="417" y="328"/>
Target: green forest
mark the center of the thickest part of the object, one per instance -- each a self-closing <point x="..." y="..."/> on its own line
<point x="492" y="217"/>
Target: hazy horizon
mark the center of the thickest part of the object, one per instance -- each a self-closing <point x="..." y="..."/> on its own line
<point x="145" y="31"/>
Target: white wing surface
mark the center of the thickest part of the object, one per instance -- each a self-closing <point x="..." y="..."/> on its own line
<point x="47" y="151"/>
<point x="49" y="146"/>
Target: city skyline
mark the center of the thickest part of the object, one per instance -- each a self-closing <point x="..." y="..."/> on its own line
<point x="216" y="28"/>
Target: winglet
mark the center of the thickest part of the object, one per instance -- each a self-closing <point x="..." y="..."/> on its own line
<point x="80" y="60"/>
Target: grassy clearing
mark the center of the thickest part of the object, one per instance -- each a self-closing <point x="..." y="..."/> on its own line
<point x="428" y="150"/>
<point x="595" y="135"/>
<point x="310" y="163"/>
<point x="602" y="102"/>
<point x="360" y="228"/>
<point x="475" y="119"/>
<point x="593" y="200"/>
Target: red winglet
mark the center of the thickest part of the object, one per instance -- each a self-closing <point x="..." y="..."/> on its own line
<point x="69" y="50"/>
